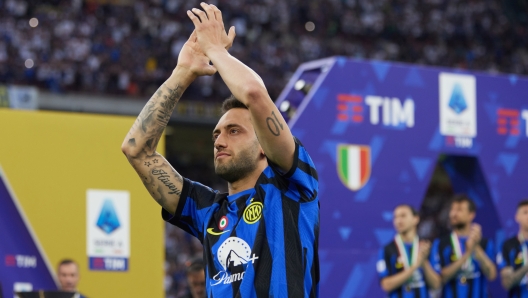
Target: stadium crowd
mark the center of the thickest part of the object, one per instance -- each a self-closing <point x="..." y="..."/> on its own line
<point x="131" y="48"/>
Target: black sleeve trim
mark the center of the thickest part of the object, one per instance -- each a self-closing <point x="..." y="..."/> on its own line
<point x="166" y="215"/>
<point x="295" y="159"/>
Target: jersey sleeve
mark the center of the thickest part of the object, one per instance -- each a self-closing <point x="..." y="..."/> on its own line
<point x="193" y="209"/>
<point x="434" y="256"/>
<point x="381" y="265"/>
<point x="302" y="173"/>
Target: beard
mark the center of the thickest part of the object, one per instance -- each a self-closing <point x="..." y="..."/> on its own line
<point x="239" y="166"/>
<point x="459" y="225"/>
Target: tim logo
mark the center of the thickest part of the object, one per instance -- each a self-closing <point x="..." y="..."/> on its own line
<point x="509" y="121"/>
<point x="391" y="112"/>
<point x="21" y="261"/>
<point x="108" y="264"/>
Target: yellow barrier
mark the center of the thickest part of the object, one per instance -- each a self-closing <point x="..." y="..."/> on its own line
<point x="51" y="159"/>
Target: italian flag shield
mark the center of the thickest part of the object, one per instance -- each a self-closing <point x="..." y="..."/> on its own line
<point x="353" y="165"/>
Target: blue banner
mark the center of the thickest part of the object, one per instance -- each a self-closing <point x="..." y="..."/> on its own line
<point x="375" y="131"/>
<point x="23" y="266"/>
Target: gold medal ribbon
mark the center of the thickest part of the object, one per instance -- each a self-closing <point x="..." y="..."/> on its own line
<point x="403" y="253"/>
<point x="524" y="248"/>
<point x="458" y="250"/>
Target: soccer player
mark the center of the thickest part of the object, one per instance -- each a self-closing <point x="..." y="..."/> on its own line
<point x="512" y="257"/>
<point x="403" y="264"/>
<point x="463" y="258"/>
<point x="261" y="238"/>
<point x="196" y="279"/>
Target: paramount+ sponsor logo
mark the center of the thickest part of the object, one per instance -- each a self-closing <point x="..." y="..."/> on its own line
<point x="21" y="261"/>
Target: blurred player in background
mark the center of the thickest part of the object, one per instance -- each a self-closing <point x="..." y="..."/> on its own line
<point x="463" y="258"/>
<point x="196" y="279"/>
<point x="512" y="257"/>
<point x="260" y="239"/>
<point x="68" y="275"/>
<point x="403" y="264"/>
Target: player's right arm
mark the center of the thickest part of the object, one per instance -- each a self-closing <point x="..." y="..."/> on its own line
<point x="509" y="276"/>
<point x="163" y="182"/>
<point x="390" y="282"/>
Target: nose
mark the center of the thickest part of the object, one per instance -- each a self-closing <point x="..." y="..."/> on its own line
<point x="220" y="142"/>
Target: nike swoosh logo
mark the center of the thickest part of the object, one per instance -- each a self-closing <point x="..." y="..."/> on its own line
<point x="212" y="232"/>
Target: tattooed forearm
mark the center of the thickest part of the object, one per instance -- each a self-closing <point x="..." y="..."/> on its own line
<point x="147" y="115"/>
<point x="165" y="178"/>
<point x="156" y="113"/>
<point x="148" y="128"/>
<point x="274" y="125"/>
<point x="167" y="106"/>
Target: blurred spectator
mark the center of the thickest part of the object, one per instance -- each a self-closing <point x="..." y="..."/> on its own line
<point x="195" y="279"/>
<point x="129" y="49"/>
<point x="68" y="276"/>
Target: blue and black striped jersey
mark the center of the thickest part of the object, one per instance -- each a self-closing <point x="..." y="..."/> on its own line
<point x="469" y="282"/>
<point x="390" y="263"/>
<point x="261" y="242"/>
<point x="510" y="255"/>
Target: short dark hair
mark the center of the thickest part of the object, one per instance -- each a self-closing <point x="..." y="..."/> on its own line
<point x="461" y="198"/>
<point x="413" y="210"/>
<point x="67" y="262"/>
<point x="231" y="103"/>
<point x="194" y="265"/>
<point x="522" y="203"/>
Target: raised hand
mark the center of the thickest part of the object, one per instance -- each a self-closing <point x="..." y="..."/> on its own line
<point x="423" y="251"/>
<point x="193" y="59"/>
<point x="210" y="29"/>
<point x="475" y="235"/>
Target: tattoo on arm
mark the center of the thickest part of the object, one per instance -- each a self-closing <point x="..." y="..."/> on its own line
<point x="165" y="178"/>
<point x="277" y="125"/>
<point x="147" y="115"/>
<point x="168" y="105"/>
<point x="132" y="142"/>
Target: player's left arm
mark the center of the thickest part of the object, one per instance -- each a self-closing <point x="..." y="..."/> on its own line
<point x="485" y="262"/>
<point x="272" y="131"/>
<point x="432" y="278"/>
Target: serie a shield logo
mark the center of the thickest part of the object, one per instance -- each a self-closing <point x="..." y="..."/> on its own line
<point x="353" y="165"/>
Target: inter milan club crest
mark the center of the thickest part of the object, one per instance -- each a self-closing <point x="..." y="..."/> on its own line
<point x="353" y="165"/>
<point x="222" y="224"/>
